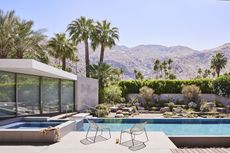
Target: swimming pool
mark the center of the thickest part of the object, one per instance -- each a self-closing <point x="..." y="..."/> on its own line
<point x="171" y="127"/>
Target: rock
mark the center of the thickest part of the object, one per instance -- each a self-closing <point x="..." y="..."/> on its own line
<point x="127" y="109"/>
<point x="164" y="109"/>
<point x="177" y="110"/>
<point x="113" y="109"/>
<point x="211" y="105"/>
<point x="221" y="110"/>
<point x="119" y="115"/>
<point x="119" y="112"/>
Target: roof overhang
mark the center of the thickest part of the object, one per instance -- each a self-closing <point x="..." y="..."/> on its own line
<point x="29" y="66"/>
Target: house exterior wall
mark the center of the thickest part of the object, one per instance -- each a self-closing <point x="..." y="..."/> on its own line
<point x="86" y="93"/>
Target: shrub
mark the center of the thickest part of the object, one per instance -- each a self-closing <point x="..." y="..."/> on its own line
<point x="147" y="93"/>
<point x="171" y="105"/>
<point x="191" y="93"/>
<point x="113" y="94"/>
<point x="221" y="86"/>
<point x="102" y="110"/>
<point x="165" y="86"/>
<point x="205" y="107"/>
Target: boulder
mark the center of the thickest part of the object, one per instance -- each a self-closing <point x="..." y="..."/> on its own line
<point x="164" y="109"/>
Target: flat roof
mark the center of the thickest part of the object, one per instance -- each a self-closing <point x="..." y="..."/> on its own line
<point x="33" y="67"/>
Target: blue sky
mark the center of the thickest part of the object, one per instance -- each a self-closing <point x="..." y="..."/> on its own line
<point x="199" y="24"/>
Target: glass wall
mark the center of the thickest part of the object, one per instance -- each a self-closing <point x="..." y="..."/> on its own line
<point x="7" y="94"/>
<point x="28" y="94"/>
<point x="67" y="95"/>
<point x="35" y="94"/>
<point x="50" y="95"/>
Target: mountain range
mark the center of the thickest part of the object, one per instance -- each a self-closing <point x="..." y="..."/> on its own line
<point x="186" y="61"/>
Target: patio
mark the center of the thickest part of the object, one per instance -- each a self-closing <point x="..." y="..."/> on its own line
<point x="159" y="143"/>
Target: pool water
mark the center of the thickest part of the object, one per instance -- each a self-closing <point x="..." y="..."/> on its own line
<point x="30" y="125"/>
<point x="173" y="126"/>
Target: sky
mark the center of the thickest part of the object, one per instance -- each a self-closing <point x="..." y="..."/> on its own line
<point x="199" y="24"/>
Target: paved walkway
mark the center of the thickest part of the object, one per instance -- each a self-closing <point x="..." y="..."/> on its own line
<point x="209" y="150"/>
<point x="159" y="143"/>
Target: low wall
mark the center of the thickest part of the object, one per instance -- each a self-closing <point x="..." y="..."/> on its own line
<point x="87" y="93"/>
<point x="180" y="97"/>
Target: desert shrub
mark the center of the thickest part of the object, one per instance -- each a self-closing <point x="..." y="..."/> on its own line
<point x="171" y="105"/>
<point x="165" y="86"/>
<point x="102" y="110"/>
<point x="191" y="93"/>
<point x="113" y="94"/>
<point x="218" y="104"/>
<point x="155" y="108"/>
<point x="204" y="107"/>
<point x="147" y="93"/>
<point x="221" y="86"/>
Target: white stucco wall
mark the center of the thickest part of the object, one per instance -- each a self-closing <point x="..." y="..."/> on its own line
<point x="86" y="93"/>
<point x="180" y="97"/>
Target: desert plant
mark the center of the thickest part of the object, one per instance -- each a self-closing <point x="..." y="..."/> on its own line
<point x="147" y="93"/>
<point x="191" y="93"/>
<point x="102" y="110"/>
<point x="113" y="94"/>
<point x="204" y="107"/>
<point x="171" y="105"/>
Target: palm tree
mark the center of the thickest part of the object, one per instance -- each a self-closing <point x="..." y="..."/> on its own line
<point x="17" y="39"/>
<point x="105" y="36"/>
<point x="62" y="48"/>
<point x="26" y="41"/>
<point x="138" y="75"/>
<point x="102" y="72"/>
<point x="156" y="66"/>
<point x="81" y="30"/>
<point x="7" y="21"/>
<point x="218" y="62"/>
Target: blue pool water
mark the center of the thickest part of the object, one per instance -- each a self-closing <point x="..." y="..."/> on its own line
<point x="171" y="126"/>
<point x="31" y="125"/>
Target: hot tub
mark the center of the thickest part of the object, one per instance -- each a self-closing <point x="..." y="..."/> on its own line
<point x="34" y="130"/>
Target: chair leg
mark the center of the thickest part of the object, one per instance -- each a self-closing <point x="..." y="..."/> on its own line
<point x="87" y="132"/>
<point x="121" y="136"/>
<point x="109" y="134"/>
<point x="146" y="135"/>
<point x="95" y="136"/>
<point x="132" y="139"/>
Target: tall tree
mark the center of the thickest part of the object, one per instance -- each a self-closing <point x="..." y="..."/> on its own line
<point x="62" y="48"/>
<point x="80" y="30"/>
<point x="156" y="67"/>
<point x="105" y="36"/>
<point x="17" y="39"/>
<point x="7" y="20"/>
<point x="102" y="72"/>
<point x="218" y="62"/>
<point x="138" y="75"/>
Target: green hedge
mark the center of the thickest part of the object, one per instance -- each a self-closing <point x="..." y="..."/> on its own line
<point x="164" y="86"/>
<point x="221" y="86"/>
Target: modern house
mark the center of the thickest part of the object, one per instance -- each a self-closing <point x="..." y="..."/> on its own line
<point x="28" y="87"/>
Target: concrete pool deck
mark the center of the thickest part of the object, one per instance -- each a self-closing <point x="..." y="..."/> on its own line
<point x="158" y="143"/>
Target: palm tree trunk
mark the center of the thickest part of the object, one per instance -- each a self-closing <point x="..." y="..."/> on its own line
<point x="101" y="90"/>
<point x="87" y="57"/>
<point x="63" y="63"/>
<point x="218" y="72"/>
<point x="102" y="53"/>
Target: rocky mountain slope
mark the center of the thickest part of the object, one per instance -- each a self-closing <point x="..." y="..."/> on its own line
<point x="185" y="65"/>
